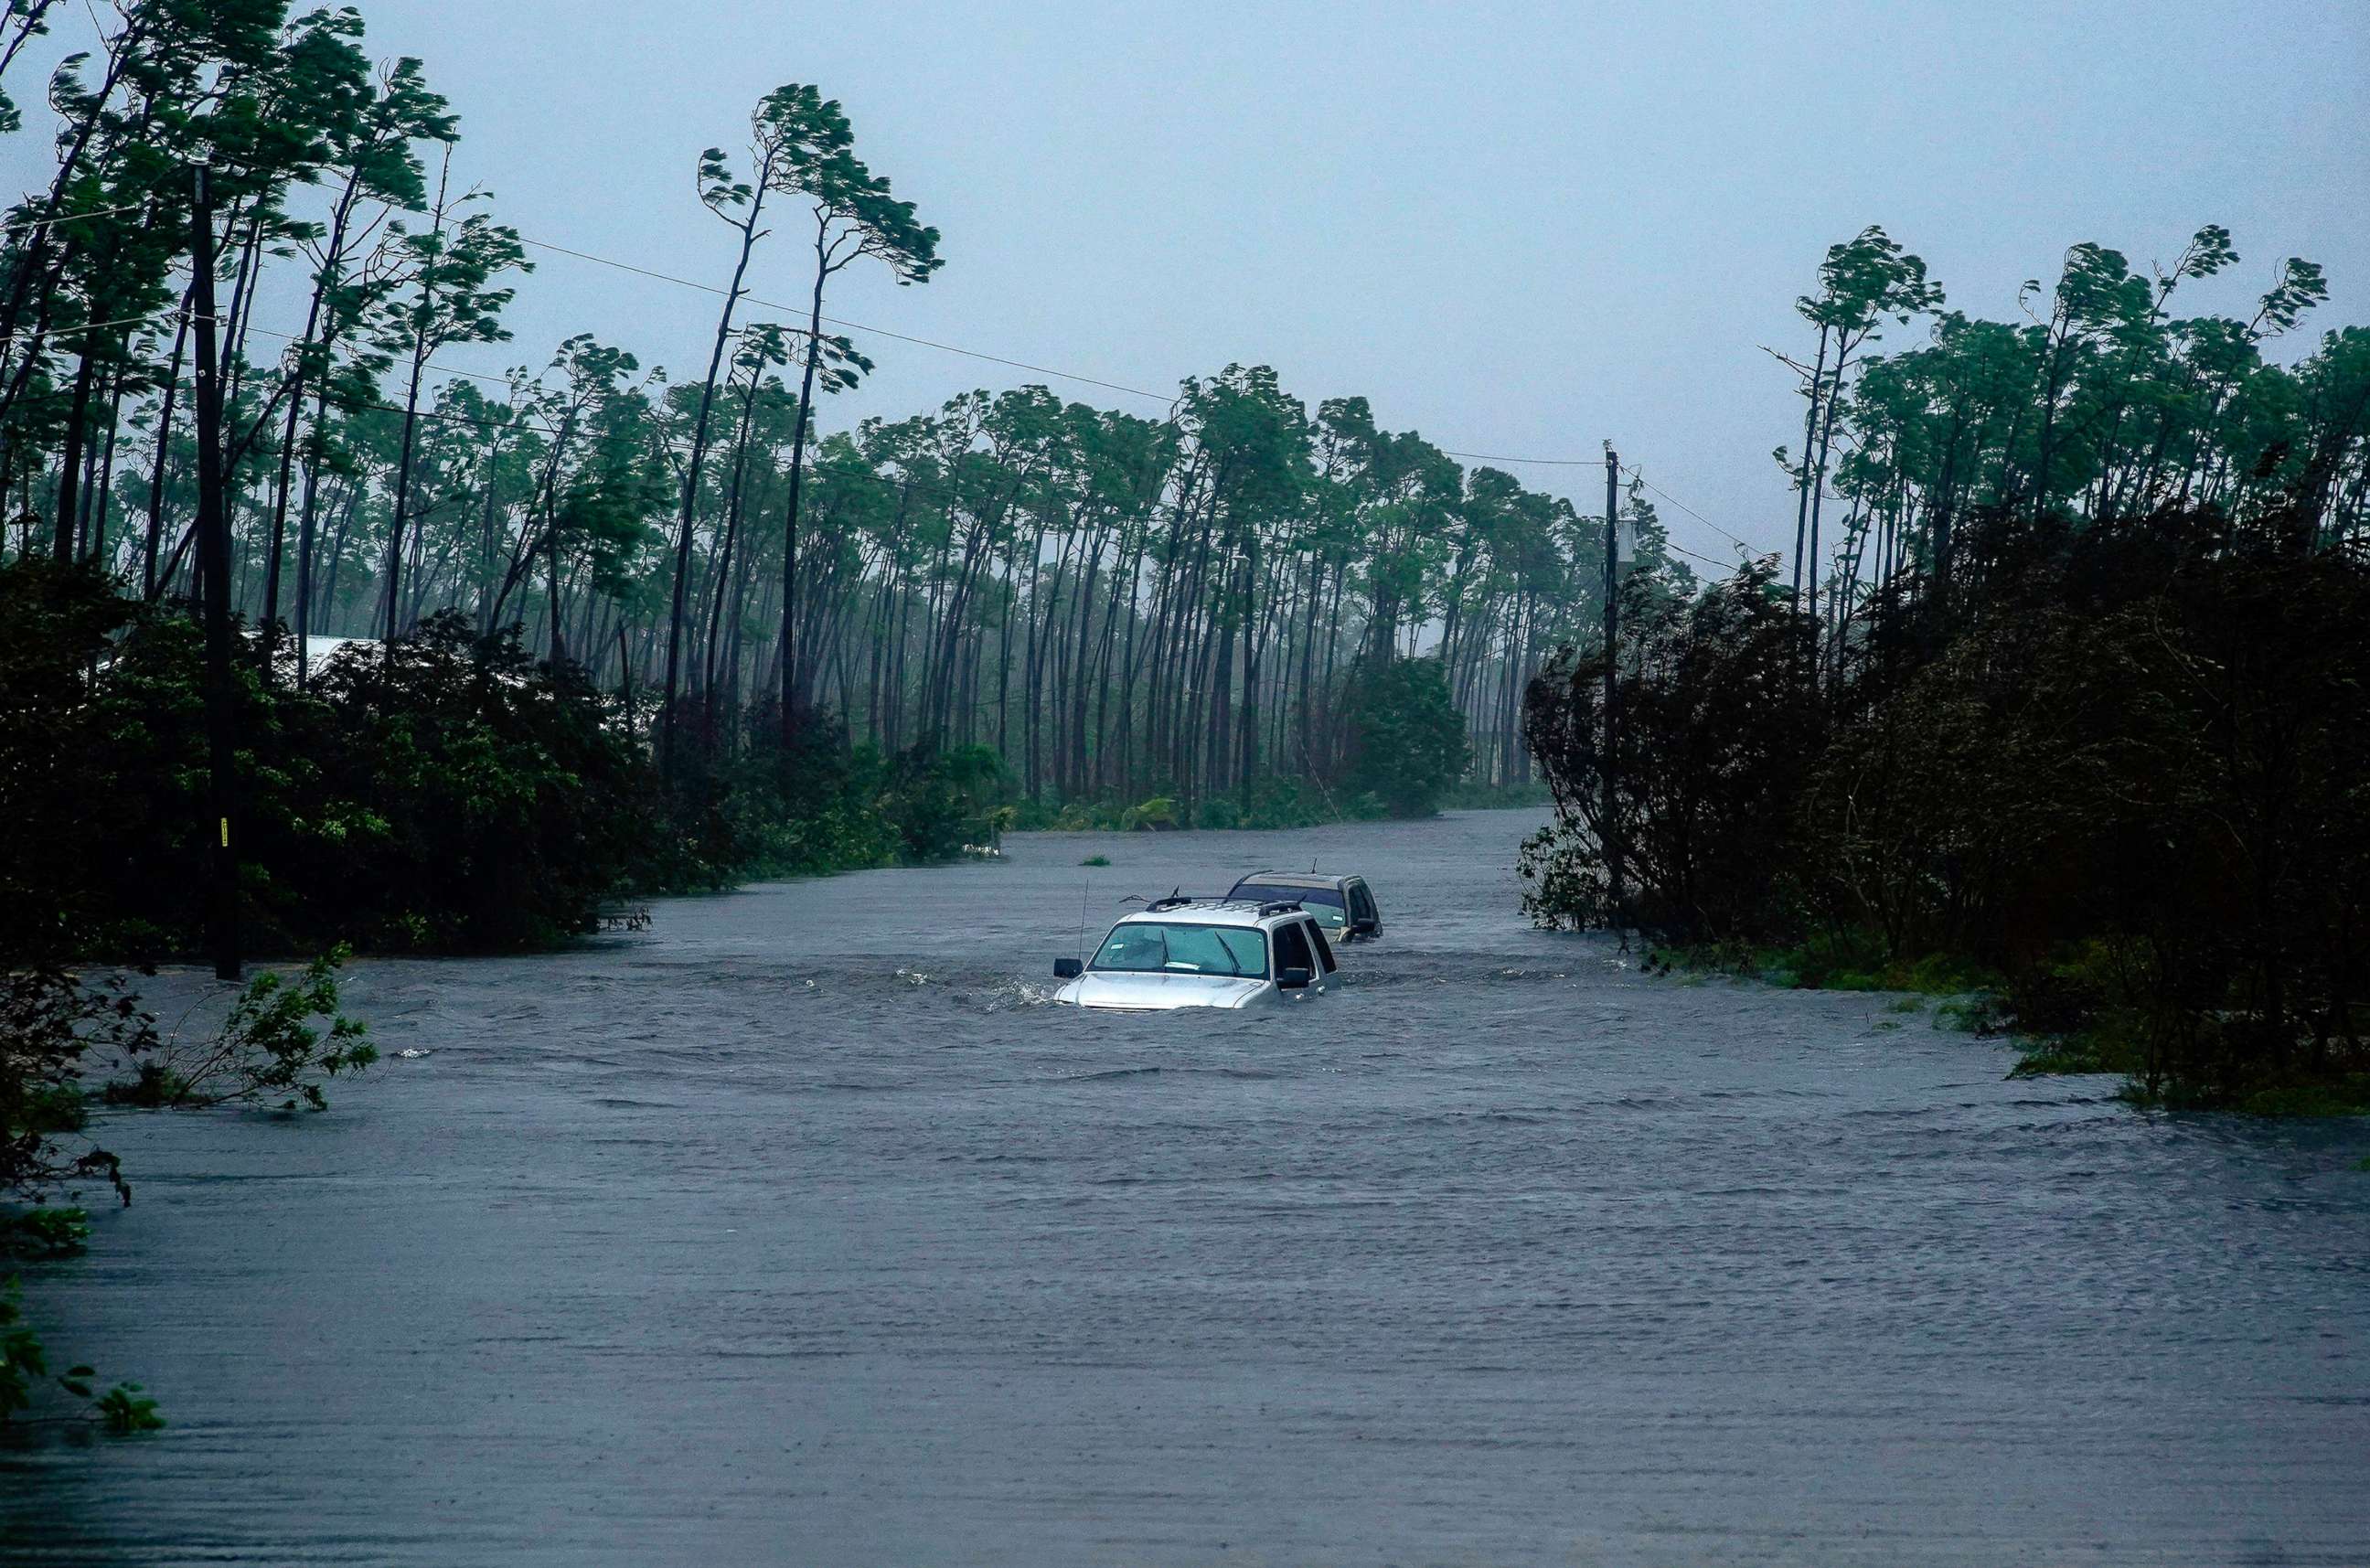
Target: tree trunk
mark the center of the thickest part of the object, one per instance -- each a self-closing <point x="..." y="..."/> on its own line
<point x="802" y="415"/>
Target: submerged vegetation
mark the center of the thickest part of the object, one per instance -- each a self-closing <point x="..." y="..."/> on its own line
<point x="2079" y="704"/>
<point x="71" y="1046"/>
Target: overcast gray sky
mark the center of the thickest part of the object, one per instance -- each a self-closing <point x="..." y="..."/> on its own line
<point x="1520" y="230"/>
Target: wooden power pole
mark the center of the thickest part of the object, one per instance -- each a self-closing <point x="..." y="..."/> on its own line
<point x="1612" y="845"/>
<point x="213" y="565"/>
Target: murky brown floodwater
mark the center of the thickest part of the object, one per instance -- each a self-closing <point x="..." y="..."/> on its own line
<point x="798" y="1230"/>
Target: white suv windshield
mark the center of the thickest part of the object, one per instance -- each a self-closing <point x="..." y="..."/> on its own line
<point x="1147" y="946"/>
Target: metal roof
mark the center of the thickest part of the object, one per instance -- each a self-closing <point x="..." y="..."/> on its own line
<point x="1289" y="879"/>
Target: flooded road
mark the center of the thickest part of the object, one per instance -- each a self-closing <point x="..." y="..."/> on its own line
<point x="798" y="1229"/>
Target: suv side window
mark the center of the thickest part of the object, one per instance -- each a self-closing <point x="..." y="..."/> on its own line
<point x="1361" y="904"/>
<point x="1324" y="949"/>
<point x="1291" y="950"/>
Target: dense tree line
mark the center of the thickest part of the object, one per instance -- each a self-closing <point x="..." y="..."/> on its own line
<point x="1194" y="606"/>
<point x="2074" y="699"/>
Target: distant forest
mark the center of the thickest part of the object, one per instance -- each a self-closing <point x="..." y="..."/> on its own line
<point x="1119" y="605"/>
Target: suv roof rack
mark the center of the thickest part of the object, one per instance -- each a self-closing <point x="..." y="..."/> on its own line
<point x="1220" y="901"/>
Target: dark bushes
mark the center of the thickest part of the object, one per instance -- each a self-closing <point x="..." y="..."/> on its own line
<point x="456" y="796"/>
<point x="1718" y="725"/>
<point x="2120" y="763"/>
<point x="477" y="799"/>
<point x="55" y="624"/>
<point x="450" y="795"/>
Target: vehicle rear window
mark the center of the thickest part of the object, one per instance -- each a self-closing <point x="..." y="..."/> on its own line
<point x="1324" y="947"/>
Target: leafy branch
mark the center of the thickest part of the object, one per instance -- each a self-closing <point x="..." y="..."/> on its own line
<point x="269" y="1046"/>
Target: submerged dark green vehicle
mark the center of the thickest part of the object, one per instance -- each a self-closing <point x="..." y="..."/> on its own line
<point x="1344" y="906"/>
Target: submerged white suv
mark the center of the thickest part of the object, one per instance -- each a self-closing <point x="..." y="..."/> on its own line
<point x="1201" y="952"/>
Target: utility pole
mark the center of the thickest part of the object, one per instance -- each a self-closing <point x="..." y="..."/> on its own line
<point x="1612" y="845"/>
<point x="213" y="565"/>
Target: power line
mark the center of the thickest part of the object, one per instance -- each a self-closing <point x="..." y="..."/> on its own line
<point x="68" y="218"/>
<point x="885" y="481"/>
<point x="1540" y="462"/>
<point x="855" y="326"/>
<point x="1691" y="512"/>
<point x="1164" y="399"/>
<point x="69" y="328"/>
<point x="968" y="353"/>
<point x="1723" y="565"/>
<point x="523" y="423"/>
<point x="505" y="381"/>
<point x="951" y="349"/>
<point x="430" y="365"/>
<point x="1161" y="398"/>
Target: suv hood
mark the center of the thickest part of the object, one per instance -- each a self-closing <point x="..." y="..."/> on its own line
<point x="1158" y="993"/>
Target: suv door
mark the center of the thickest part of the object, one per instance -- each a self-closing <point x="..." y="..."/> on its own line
<point x="1316" y="931"/>
<point x="1291" y="952"/>
<point x="1365" y="920"/>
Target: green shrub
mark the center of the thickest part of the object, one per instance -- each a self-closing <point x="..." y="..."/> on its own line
<point x="124" y="1410"/>
<point x="1976" y="1013"/>
<point x="24" y="1366"/>
<point x="267" y="1047"/>
<point x="1159" y="811"/>
<point x="1407" y="741"/>
<point x="2348" y="1097"/>
<point x="45" y="1232"/>
<point x="2070" y="1056"/>
<point x="23" y="1361"/>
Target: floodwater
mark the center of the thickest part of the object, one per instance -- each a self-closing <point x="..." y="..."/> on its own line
<point x="799" y="1229"/>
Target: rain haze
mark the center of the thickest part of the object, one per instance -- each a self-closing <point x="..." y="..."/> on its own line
<point x="1522" y="231"/>
<point x="1166" y="929"/>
